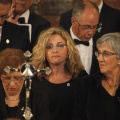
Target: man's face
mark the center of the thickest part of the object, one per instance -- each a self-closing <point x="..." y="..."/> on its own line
<point x="84" y="27"/>
<point x="21" y="6"/>
<point x="4" y="11"/>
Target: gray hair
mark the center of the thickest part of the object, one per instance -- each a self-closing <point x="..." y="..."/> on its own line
<point x="111" y="39"/>
<point x="80" y="6"/>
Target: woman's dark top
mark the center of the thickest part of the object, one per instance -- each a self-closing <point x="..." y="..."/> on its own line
<point x="38" y="104"/>
<point x="61" y="96"/>
<point x="12" y="111"/>
<point x="93" y="102"/>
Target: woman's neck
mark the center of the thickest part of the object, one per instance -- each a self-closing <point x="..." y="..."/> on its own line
<point x="12" y="100"/>
<point x="111" y="83"/>
<point x="113" y="77"/>
<point x="58" y="75"/>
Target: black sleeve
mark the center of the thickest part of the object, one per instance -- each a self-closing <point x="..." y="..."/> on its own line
<point x="78" y="106"/>
<point x="27" y="44"/>
<point x="40" y="106"/>
<point x="82" y="91"/>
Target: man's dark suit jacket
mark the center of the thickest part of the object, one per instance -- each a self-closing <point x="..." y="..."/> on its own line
<point x="38" y="24"/>
<point x="14" y="36"/>
<point x="94" y="65"/>
<point x="109" y="17"/>
<point x="38" y="105"/>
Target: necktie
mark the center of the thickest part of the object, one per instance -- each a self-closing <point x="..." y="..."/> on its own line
<point x="77" y="42"/>
<point x="21" y="20"/>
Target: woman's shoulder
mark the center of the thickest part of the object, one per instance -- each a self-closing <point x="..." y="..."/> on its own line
<point x="90" y="80"/>
<point x="37" y="82"/>
<point x="81" y="74"/>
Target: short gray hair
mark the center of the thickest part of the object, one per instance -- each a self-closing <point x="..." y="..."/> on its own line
<point x="80" y="6"/>
<point x="111" y="39"/>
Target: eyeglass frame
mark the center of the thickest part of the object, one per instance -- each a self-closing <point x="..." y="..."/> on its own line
<point x="12" y="78"/>
<point x="97" y="53"/>
<point x="4" y="16"/>
<point x="88" y="26"/>
<point x="59" y="46"/>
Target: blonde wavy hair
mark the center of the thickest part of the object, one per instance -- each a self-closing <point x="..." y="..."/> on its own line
<point x="73" y="63"/>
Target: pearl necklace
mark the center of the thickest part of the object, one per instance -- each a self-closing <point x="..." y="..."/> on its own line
<point x="11" y="99"/>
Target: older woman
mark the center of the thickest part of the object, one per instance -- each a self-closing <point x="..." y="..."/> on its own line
<point x="55" y="49"/>
<point x="99" y="95"/>
<point x="12" y="90"/>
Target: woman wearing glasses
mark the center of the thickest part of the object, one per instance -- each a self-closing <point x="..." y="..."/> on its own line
<point x="55" y="49"/>
<point x="98" y="95"/>
<point x="12" y="90"/>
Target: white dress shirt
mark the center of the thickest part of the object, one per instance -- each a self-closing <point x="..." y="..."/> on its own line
<point x="85" y="52"/>
<point x="100" y="6"/>
<point x="0" y="32"/>
<point x="26" y="15"/>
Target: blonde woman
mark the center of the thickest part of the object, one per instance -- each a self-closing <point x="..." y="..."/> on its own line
<point x="55" y="49"/>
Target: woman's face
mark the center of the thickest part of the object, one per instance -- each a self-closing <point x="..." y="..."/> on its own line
<point x="56" y="50"/>
<point x="107" y="59"/>
<point x="12" y="83"/>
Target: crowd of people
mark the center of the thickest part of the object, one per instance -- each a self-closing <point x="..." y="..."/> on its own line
<point x="82" y="55"/>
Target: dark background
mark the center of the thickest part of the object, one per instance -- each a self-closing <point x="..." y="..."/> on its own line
<point x="52" y="9"/>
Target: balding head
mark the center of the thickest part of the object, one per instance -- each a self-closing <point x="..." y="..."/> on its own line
<point x="81" y="6"/>
<point x="85" y="18"/>
<point x="97" y="2"/>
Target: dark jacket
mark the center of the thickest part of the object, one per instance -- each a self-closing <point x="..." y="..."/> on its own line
<point x="14" y="36"/>
<point x="38" y="24"/>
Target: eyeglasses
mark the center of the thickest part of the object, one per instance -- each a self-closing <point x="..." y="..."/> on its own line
<point x="104" y="53"/>
<point x="16" y="79"/>
<point x="58" y="46"/>
<point x="4" y="16"/>
<point x="86" y="27"/>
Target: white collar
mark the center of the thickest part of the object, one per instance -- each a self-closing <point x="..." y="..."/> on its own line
<point x="75" y="37"/>
<point x="100" y="6"/>
<point x="26" y="15"/>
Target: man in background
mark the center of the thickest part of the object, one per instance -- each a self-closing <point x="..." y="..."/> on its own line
<point x="109" y="19"/>
<point x="11" y="35"/>
<point x="85" y="19"/>
<point x="38" y="23"/>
